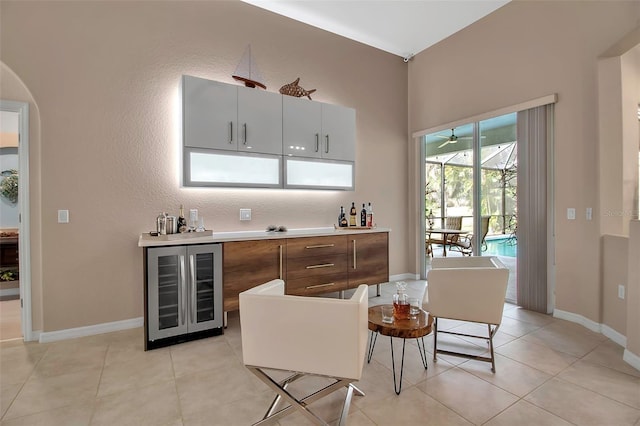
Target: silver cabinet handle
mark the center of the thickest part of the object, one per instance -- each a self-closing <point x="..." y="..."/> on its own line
<point x="231" y="132"/>
<point x="281" y="261"/>
<point x="183" y="286"/>
<point x="355" y="255"/>
<point x="244" y="130"/>
<point x="324" y="265"/>
<point x="317" y="142"/>
<point x="194" y="289"/>
<point x="326" y="149"/>
<point x="319" y="286"/>
<point x="320" y="246"/>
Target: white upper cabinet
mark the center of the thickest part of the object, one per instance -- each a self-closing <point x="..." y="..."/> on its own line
<point x="231" y="118"/>
<point x="240" y="137"/>
<point x="259" y="121"/>
<point x="210" y="114"/>
<point x="338" y="132"/>
<point x="302" y="127"/>
<point x="318" y="130"/>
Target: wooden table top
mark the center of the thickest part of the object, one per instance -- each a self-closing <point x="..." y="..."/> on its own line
<point x="405" y="329"/>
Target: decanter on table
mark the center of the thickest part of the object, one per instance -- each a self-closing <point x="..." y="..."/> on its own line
<point x="401" y="302"/>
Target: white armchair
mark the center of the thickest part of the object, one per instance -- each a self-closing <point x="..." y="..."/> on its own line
<point x="307" y="336"/>
<point x="467" y="289"/>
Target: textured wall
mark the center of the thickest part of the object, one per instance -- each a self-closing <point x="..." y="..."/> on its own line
<point x="104" y="77"/>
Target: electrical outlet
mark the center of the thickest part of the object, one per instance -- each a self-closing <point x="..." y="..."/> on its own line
<point x="63" y="216"/>
<point x="245" y="214"/>
<point x="589" y="213"/>
<point x="621" y="291"/>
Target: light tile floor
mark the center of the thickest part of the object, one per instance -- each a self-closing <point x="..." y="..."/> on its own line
<point x="549" y="372"/>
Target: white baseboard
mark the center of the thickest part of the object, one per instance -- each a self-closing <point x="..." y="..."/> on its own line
<point x="612" y="334"/>
<point x="579" y="319"/>
<point x="72" y="333"/>
<point x="401" y="277"/>
<point x="631" y="359"/>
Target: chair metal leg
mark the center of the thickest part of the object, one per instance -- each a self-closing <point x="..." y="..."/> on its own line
<point x="493" y="359"/>
<point x="284" y="384"/>
<point x="435" y="338"/>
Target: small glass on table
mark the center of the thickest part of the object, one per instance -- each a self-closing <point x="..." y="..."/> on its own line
<point x="387" y="314"/>
<point x="415" y="306"/>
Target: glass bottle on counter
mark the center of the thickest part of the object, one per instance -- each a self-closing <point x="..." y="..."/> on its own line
<point x="401" y="302"/>
<point x="342" y="218"/>
<point x="352" y="215"/>
<point x="182" y="222"/>
<point x="363" y="216"/>
<point x="370" y="216"/>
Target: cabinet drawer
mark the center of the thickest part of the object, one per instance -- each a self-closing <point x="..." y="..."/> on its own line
<point x="317" y="285"/>
<point x="316" y="246"/>
<point x="306" y="267"/>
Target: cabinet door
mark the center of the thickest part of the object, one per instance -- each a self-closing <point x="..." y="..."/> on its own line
<point x="166" y="292"/>
<point x="338" y="132"/>
<point x="301" y="127"/>
<point x="368" y="259"/>
<point x="210" y="111"/>
<point x="248" y="264"/>
<point x="205" y="287"/>
<point x="259" y="121"/>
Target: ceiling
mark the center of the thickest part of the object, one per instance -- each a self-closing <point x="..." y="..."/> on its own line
<point x="401" y="27"/>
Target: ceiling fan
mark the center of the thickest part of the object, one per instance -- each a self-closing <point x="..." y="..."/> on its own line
<point x="451" y="139"/>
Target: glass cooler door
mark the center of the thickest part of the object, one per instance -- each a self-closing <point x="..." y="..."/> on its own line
<point x="167" y="292"/>
<point x="205" y="275"/>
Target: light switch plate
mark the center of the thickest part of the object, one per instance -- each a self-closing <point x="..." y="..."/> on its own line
<point x="245" y="214"/>
<point x="571" y="213"/>
<point x="63" y="216"/>
<point x="589" y="213"/>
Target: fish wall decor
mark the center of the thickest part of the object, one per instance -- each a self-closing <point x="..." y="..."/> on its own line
<point x="293" y="89"/>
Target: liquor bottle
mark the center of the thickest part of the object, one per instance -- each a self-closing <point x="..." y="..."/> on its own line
<point x="344" y="222"/>
<point x="401" y="302"/>
<point x="370" y="216"/>
<point x="352" y="215"/>
<point x="342" y="219"/>
<point x="363" y="216"/>
<point x="182" y="222"/>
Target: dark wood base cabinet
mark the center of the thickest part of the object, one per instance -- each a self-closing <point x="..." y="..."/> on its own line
<point x="309" y="265"/>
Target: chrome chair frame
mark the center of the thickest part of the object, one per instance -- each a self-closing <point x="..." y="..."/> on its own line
<point x="492" y="332"/>
<point x="301" y="404"/>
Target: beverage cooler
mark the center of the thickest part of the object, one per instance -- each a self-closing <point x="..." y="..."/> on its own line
<point x="183" y="295"/>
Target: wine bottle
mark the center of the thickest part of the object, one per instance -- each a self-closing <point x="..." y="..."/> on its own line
<point x="363" y="216"/>
<point x="344" y="222"/>
<point x="342" y="219"/>
<point x="352" y="215"/>
<point x="182" y="222"/>
<point x="370" y="216"/>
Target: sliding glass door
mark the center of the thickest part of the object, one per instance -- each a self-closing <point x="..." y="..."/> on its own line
<point x="471" y="180"/>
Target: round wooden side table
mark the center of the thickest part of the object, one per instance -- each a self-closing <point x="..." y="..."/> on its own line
<point x="412" y="328"/>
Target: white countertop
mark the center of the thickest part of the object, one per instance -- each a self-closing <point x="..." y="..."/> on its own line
<point x="147" y="240"/>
